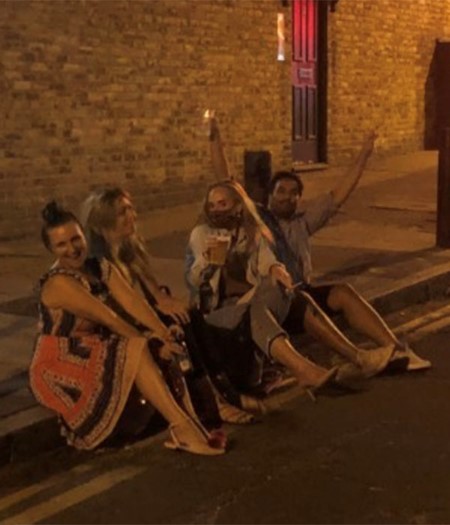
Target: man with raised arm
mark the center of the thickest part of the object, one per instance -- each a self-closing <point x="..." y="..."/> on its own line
<point x="292" y="230"/>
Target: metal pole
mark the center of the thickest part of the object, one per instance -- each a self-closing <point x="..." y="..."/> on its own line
<point x="443" y="192"/>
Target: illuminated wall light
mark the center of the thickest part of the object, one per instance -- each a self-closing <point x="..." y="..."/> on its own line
<point x="281" y="36"/>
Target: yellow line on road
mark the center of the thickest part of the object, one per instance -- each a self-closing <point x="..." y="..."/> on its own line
<point x="416" y="329"/>
<point x="428" y="320"/>
<point x="21" y="495"/>
<point x="28" y="492"/>
<point x="429" y="328"/>
<point x="52" y="506"/>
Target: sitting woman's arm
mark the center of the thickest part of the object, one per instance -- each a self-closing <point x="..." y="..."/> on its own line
<point x="148" y="280"/>
<point x="165" y="303"/>
<point x="134" y="304"/>
<point x="62" y="291"/>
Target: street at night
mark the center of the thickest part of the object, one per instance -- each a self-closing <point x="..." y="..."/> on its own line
<point x="224" y="262"/>
<point x="378" y="456"/>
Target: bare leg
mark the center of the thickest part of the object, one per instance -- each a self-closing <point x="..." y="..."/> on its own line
<point x="322" y="328"/>
<point x="307" y="373"/>
<point x="153" y="388"/>
<point x="360" y="315"/>
<point x="327" y="333"/>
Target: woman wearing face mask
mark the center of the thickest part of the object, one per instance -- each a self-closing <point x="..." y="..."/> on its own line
<point x="87" y="358"/>
<point x="249" y="290"/>
<point x="110" y="221"/>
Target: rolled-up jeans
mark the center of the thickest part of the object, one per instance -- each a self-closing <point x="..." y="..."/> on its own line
<point x="268" y="308"/>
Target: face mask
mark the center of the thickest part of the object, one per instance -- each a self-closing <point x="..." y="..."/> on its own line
<point x="225" y="219"/>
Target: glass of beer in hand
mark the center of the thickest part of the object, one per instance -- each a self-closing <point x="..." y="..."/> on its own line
<point x="218" y="248"/>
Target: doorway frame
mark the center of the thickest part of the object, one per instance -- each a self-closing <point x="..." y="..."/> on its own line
<point x="322" y="83"/>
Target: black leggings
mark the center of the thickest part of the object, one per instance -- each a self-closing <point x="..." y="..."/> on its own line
<point x="228" y="355"/>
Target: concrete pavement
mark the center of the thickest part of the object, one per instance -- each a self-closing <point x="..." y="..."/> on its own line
<point x="383" y="242"/>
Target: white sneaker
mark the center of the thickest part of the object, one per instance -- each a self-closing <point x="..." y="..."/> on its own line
<point x="415" y="362"/>
<point x="373" y="362"/>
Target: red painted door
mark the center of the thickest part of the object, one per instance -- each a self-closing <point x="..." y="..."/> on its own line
<point x="304" y="80"/>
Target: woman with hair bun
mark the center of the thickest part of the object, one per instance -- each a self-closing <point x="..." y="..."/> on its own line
<point x="87" y="358"/>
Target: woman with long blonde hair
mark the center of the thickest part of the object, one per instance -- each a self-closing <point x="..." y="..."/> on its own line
<point x="110" y="220"/>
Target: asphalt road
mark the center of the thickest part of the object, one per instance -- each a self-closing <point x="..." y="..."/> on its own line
<point x="379" y="456"/>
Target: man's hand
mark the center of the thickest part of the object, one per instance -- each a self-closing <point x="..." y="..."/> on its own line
<point x="279" y="274"/>
<point x="173" y="308"/>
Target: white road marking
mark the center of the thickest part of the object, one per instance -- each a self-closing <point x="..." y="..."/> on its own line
<point x="28" y="492"/>
<point x="424" y="330"/>
<point x="421" y="326"/>
<point x="416" y="328"/>
<point x="52" y="506"/>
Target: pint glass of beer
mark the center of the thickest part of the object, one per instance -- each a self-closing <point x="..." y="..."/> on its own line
<point x="218" y="250"/>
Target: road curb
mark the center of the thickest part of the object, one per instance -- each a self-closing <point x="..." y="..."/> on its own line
<point x="27" y="434"/>
<point x="35" y="430"/>
<point x="423" y="286"/>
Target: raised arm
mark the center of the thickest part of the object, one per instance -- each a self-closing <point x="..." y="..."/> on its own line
<point x="345" y="187"/>
<point x="62" y="291"/>
<point x="218" y="157"/>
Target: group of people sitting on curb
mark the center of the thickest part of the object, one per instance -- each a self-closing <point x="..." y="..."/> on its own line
<point x="110" y="335"/>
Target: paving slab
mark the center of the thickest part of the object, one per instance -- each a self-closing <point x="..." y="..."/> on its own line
<point x="17" y="334"/>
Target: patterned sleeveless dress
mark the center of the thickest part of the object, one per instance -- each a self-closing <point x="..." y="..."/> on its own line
<point x="80" y="369"/>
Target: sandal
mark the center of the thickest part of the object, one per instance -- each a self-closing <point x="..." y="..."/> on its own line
<point x="253" y="405"/>
<point x="327" y="380"/>
<point x="231" y="414"/>
<point x="279" y="383"/>
<point x="212" y="446"/>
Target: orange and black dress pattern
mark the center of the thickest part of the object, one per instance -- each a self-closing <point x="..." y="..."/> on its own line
<point x="80" y="369"/>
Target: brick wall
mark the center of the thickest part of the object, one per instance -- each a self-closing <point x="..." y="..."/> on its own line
<point x="379" y="55"/>
<point x="112" y="92"/>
